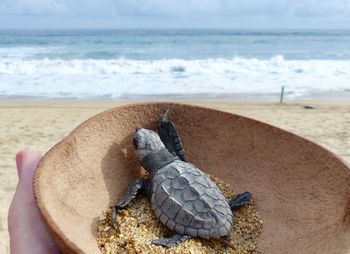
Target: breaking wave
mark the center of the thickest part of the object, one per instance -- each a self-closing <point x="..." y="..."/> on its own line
<point x="116" y="78"/>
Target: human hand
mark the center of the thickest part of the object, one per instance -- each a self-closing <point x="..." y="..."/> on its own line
<point x="28" y="233"/>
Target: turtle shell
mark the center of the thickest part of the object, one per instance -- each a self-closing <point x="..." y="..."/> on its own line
<point x="186" y="201"/>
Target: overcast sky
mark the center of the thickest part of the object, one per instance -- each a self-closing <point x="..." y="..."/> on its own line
<point x="175" y="14"/>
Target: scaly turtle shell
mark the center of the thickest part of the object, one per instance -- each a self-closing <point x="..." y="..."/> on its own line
<point x="188" y="202"/>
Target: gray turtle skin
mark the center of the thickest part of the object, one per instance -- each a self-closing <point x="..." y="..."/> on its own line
<point x="183" y="198"/>
<point x="188" y="202"/>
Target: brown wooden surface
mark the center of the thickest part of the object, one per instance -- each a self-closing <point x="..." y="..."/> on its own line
<point x="301" y="190"/>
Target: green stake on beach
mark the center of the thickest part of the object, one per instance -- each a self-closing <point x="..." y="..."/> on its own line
<point x="282" y="94"/>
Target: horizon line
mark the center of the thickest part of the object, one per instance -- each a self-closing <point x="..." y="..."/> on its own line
<point x="170" y="28"/>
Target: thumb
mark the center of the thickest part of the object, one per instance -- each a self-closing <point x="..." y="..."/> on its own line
<point x="27" y="162"/>
<point x="28" y="233"/>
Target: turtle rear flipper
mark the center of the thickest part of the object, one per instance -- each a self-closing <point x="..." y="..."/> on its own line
<point x="171" y="241"/>
<point x="170" y="137"/>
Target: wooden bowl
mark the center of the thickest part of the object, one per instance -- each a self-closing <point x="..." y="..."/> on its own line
<point x="301" y="189"/>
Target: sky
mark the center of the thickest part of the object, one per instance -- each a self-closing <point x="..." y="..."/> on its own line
<point x="162" y="14"/>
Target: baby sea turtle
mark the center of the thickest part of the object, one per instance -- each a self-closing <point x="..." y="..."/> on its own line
<point x="184" y="198"/>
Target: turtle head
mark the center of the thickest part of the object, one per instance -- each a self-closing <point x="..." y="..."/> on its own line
<point x="146" y="142"/>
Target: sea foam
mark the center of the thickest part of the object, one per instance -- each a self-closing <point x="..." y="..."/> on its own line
<point x="116" y="78"/>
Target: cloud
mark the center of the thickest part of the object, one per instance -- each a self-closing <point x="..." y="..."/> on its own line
<point x="172" y="13"/>
<point x="321" y="8"/>
<point x="232" y="8"/>
<point x="33" y="7"/>
<point x="177" y="7"/>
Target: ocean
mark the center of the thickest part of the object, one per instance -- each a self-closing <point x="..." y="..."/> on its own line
<point x="240" y="64"/>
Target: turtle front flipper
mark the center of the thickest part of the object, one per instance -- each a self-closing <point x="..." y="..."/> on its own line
<point x="136" y="186"/>
<point x="240" y="199"/>
<point x="170" y="137"/>
<point x="171" y="241"/>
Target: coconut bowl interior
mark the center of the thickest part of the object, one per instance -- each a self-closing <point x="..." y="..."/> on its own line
<point x="301" y="190"/>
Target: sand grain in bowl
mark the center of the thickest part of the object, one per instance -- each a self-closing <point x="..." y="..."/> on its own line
<point x="138" y="226"/>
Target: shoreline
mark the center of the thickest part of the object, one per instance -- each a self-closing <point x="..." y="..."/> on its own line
<point x="289" y="97"/>
<point x="67" y="102"/>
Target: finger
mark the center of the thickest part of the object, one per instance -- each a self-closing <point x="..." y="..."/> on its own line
<point x="26" y="228"/>
<point x="27" y="161"/>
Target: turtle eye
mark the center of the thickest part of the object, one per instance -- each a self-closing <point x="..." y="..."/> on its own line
<point x="135" y="143"/>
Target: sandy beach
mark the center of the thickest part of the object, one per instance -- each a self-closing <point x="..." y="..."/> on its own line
<point x="39" y="125"/>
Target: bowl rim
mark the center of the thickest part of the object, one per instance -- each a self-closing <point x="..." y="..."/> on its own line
<point x="60" y="238"/>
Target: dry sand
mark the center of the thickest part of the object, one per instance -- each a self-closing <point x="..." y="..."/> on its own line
<point x="40" y="125"/>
